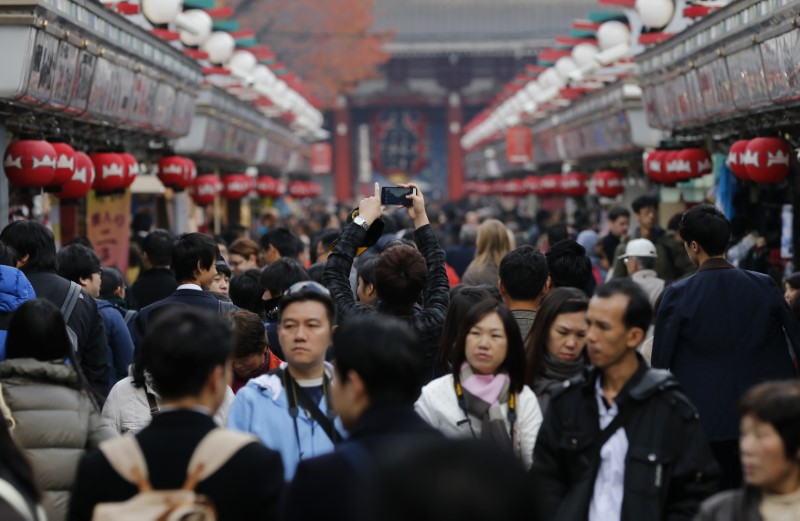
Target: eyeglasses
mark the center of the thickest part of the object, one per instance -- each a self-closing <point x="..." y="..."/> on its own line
<point x="308" y="285"/>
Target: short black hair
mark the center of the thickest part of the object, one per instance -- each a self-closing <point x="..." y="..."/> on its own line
<point x="462" y="298"/>
<point x="246" y="291"/>
<point x="639" y="312"/>
<point x="8" y="257"/>
<point x="793" y="280"/>
<point x="617" y="212"/>
<point x="77" y="262"/>
<point x="400" y="276"/>
<point x="706" y="225"/>
<point x="644" y="201"/>
<point x="279" y="275"/>
<point x="326" y="238"/>
<point x="110" y="279"/>
<point x="316" y="272"/>
<point x="249" y="332"/>
<point x="569" y="266"/>
<point x="557" y="232"/>
<point x="366" y="269"/>
<point x="188" y="250"/>
<point x="158" y="247"/>
<point x="391" y="373"/>
<point x="33" y="239"/>
<point x="37" y="330"/>
<point x="777" y="403"/>
<point x="674" y="222"/>
<point x="306" y="294"/>
<point x="523" y="272"/>
<point x="83" y="241"/>
<point x="284" y="241"/>
<point x="182" y="347"/>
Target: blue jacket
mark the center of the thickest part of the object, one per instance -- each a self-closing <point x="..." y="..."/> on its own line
<point x="720" y="332"/>
<point x="120" y="345"/>
<point x="261" y="408"/>
<point x="14" y="291"/>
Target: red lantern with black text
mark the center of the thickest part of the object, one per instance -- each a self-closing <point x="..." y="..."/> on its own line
<point x="131" y="168"/>
<point x="698" y="161"/>
<point x="205" y="189"/>
<point x="82" y="178"/>
<point x="109" y="171"/>
<point x="608" y="183"/>
<point x="172" y="172"/>
<point x="236" y="186"/>
<point x="736" y="159"/>
<point x="65" y="165"/>
<point x="767" y="160"/>
<point x="573" y="184"/>
<point x="30" y="163"/>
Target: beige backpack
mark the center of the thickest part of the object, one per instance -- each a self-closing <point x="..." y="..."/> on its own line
<point x="125" y="457"/>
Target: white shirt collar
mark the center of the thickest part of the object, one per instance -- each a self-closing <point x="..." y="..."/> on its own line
<point x="190" y="286"/>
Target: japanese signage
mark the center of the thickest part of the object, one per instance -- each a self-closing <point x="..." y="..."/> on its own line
<point x="400" y="141"/>
<point x="108" y="227"/>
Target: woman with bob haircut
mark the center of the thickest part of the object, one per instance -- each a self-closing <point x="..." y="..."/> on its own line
<point x="556" y="344"/>
<point x="485" y="396"/>
<point x="769" y="444"/>
<point x="494" y="241"/>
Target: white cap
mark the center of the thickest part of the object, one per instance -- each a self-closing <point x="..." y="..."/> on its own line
<point x="639" y="248"/>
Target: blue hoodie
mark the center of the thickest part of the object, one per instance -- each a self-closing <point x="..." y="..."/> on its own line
<point x="261" y="408"/>
<point x="15" y="290"/>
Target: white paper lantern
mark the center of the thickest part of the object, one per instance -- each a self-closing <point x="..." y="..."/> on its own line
<point x="564" y="66"/>
<point x="550" y="78"/>
<point x="197" y="26"/>
<point x="242" y="63"/>
<point x="532" y="88"/>
<point x="219" y="46"/>
<point x="655" y="14"/>
<point x="584" y="54"/>
<point x="613" y="33"/>
<point x="263" y="76"/>
<point x="161" y="11"/>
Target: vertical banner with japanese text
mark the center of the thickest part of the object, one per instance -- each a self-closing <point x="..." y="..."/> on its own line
<point x="108" y="227"/>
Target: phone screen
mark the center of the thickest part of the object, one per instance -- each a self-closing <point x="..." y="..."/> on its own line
<point x="396" y="195"/>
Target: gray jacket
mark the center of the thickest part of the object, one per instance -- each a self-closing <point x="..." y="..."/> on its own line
<point x="56" y="422"/>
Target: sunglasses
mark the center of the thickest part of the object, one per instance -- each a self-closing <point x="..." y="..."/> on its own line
<point x="308" y="285"/>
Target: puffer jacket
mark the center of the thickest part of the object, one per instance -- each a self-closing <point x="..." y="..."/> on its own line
<point x="261" y="408"/>
<point x="15" y="290"/>
<point x="56" y="422"/>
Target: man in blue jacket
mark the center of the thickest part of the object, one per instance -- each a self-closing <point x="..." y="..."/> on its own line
<point x="722" y="331"/>
<point x="290" y="408"/>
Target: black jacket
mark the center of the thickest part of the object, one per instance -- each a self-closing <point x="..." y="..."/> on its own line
<point x="427" y="321"/>
<point x="669" y="468"/>
<point x="152" y="286"/>
<point x="246" y="487"/>
<point x="181" y="297"/>
<point x="722" y="331"/>
<point x="326" y="487"/>
<point x="85" y="321"/>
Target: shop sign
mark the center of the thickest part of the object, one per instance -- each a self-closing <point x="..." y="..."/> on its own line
<point x="108" y="227"/>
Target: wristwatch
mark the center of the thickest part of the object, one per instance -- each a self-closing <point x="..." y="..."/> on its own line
<point x="360" y="221"/>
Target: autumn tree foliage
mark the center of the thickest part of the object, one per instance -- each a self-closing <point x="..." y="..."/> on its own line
<point x="327" y="43"/>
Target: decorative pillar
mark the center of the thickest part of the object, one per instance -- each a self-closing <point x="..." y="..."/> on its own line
<point x="342" y="152"/>
<point x="455" y="155"/>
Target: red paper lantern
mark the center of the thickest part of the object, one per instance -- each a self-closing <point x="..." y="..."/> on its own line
<point x="82" y="179"/>
<point x="673" y="167"/>
<point x="65" y="165"/>
<point x="736" y="159"/>
<point x="550" y="185"/>
<point x="109" y="171"/>
<point x="699" y="161"/>
<point x="236" y="186"/>
<point x="267" y="186"/>
<point x="654" y="165"/>
<point x="205" y="189"/>
<point x="30" y="163"/>
<point x="172" y="171"/>
<point x="532" y="185"/>
<point x="316" y="189"/>
<point x="300" y="190"/>
<point x="767" y="160"/>
<point x="189" y="172"/>
<point x="131" y="168"/>
<point x="519" y="145"/>
<point x="608" y="183"/>
<point x="573" y="184"/>
<point x="321" y="158"/>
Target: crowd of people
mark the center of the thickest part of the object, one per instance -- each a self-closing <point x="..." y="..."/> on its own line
<point x="380" y="365"/>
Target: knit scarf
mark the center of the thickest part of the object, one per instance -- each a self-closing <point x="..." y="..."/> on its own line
<point x="555" y="369"/>
<point x="483" y="396"/>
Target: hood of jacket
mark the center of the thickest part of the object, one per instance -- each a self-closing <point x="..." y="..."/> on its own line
<point x="15" y="289"/>
<point x="55" y="371"/>
<point x="271" y="385"/>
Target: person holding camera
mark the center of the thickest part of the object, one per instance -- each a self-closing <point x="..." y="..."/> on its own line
<point x="401" y="274"/>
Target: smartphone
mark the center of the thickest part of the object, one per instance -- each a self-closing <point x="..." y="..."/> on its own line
<point x="396" y="195"/>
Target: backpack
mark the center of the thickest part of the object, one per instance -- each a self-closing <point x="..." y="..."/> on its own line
<point x="130" y="314"/>
<point x="125" y="456"/>
<point x="67" y="307"/>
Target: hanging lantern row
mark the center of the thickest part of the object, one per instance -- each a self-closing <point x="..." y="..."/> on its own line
<point x="761" y="160"/>
<point x="304" y="189"/>
<point x="673" y="166"/>
<point x="572" y="184"/>
<point x="176" y="172"/>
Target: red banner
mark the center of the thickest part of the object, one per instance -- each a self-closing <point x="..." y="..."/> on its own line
<point x="321" y="158"/>
<point x="519" y="145"/>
